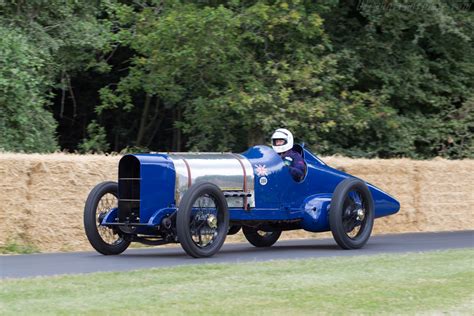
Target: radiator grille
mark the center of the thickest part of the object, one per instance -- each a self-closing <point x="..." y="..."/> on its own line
<point x="129" y="190"/>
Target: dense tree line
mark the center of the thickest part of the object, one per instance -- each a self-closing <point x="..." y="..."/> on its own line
<point x="359" y="78"/>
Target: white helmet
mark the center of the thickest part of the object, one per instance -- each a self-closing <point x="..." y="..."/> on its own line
<point x="284" y="134"/>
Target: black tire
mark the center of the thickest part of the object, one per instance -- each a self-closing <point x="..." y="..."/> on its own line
<point x="351" y="215"/>
<point x="97" y="234"/>
<point x="234" y="229"/>
<point x="260" y="238"/>
<point x="190" y="224"/>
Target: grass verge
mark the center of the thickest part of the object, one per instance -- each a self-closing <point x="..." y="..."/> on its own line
<point x="13" y="247"/>
<point x="433" y="282"/>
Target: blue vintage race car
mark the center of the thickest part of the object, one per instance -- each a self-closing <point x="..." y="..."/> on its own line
<point x="197" y="199"/>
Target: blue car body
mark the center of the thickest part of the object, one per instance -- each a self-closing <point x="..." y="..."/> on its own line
<point x="277" y="198"/>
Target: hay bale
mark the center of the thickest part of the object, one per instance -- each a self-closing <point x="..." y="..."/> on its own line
<point x="45" y="196"/>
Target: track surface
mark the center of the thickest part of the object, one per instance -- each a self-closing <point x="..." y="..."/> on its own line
<point x="20" y="266"/>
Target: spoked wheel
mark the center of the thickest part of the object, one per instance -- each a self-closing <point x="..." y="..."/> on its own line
<point x="351" y="215"/>
<point x="260" y="238"/>
<point x="202" y="220"/>
<point x="101" y="200"/>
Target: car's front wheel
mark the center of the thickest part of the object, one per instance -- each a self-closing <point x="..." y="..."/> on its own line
<point x="351" y="215"/>
<point x="100" y="201"/>
<point x="202" y="221"/>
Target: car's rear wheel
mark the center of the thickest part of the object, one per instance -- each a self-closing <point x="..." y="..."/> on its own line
<point x="202" y="220"/>
<point x="101" y="200"/>
<point x="260" y="238"/>
<point x="234" y="229"/>
<point x="351" y="215"/>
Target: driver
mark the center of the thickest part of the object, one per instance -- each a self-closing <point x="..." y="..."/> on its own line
<point x="282" y="143"/>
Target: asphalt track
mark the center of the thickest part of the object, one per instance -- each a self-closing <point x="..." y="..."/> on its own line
<point x="21" y="266"/>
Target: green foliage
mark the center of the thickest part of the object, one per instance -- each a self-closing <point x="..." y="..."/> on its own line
<point x="361" y="81"/>
<point x="449" y="133"/>
<point x="421" y="62"/>
<point x="180" y="55"/>
<point x="96" y="142"/>
<point x="42" y="44"/>
<point x="279" y="76"/>
<point x="71" y="32"/>
<point x="347" y="77"/>
<point x="25" y="124"/>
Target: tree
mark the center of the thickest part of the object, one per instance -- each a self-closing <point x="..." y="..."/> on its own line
<point x="419" y="59"/>
<point x="25" y="123"/>
<point x="43" y="45"/>
<point x="348" y="77"/>
<point x="182" y="53"/>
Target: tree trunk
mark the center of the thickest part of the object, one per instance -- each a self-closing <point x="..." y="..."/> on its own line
<point x="143" y="121"/>
<point x="178" y="130"/>
<point x="155" y="123"/>
<point x="177" y="142"/>
<point x="116" y="140"/>
<point x="255" y="137"/>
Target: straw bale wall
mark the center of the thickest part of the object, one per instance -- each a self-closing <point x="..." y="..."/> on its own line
<point x="42" y="196"/>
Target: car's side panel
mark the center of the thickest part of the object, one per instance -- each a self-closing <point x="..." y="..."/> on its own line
<point x="315" y="212"/>
<point x="157" y="184"/>
<point x="320" y="179"/>
<point x="279" y="190"/>
<point x="270" y="182"/>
